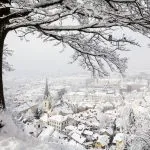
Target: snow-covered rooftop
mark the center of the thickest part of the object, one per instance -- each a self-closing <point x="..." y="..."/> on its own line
<point x="81" y="127"/>
<point x="119" y="137"/>
<point x="109" y="131"/>
<point x="87" y="132"/>
<point x="103" y="139"/>
<point x="58" y="118"/>
<point x="46" y="133"/>
<point x="71" y="128"/>
<point x="78" y="138"/>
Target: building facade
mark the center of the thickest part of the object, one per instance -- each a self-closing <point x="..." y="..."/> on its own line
<point x="59" y="122"/>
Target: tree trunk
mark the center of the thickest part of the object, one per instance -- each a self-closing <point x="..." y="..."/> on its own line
<point x="2" y="38"/>
<point x="3" y="12"/>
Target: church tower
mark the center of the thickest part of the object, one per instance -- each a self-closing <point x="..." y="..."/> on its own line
<point x="46" y="93"/>
<point x="47" y="98"/>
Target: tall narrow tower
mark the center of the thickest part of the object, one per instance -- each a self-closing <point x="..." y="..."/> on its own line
<point x="46" y="92"/>
<point x="47" y="98"/>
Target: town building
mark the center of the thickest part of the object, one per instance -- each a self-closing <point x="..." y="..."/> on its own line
<point x="59" y="122"/>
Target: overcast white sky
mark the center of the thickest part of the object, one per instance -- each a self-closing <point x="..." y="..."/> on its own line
<point x="38" y="57"/>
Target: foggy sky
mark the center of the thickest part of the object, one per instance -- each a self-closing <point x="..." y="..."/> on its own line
<point x="38" y="57"/>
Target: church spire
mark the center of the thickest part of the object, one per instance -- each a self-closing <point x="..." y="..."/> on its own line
<point x="46" y="93"/>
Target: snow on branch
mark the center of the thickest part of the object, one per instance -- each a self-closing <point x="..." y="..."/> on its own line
<point x="86" y="26"/>
<point x="27" y="10"/>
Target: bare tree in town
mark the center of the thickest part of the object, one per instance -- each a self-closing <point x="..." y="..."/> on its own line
<point x="86" y="26"/>
<point x="60" y="94"/>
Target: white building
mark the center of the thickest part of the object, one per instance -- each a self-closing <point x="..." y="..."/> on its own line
<point x="59" y="122"/>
